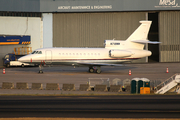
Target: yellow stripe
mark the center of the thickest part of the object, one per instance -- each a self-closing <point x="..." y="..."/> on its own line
<point x="9" y="43"/>
<point x="26" y="42"/>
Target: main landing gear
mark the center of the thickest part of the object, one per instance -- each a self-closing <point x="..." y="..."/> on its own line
<point x="95" y="69"/>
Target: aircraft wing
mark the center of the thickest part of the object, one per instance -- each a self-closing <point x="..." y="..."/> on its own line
<point x="99" y="64"/>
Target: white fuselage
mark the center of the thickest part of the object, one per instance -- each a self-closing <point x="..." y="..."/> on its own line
<point x="115" y="52"/>
<point x="73" y="56"/>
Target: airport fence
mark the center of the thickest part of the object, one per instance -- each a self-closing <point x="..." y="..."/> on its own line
<point x="92" y="84"/>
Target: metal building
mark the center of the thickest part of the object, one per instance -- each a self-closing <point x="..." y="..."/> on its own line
<point x="91" y="29"/>
<point x="84" y="23"/>
<point x="169" y="35"/>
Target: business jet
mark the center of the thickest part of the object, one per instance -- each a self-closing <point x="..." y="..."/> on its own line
<point x="114" y="53"/>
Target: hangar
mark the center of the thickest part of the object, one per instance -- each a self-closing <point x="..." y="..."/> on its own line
<point x="87" y="23"/>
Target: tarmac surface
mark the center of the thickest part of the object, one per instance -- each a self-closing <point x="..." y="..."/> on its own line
<point x="155" y="72"/>
<point x="87" y="104"/>
<point x="121" y="106"/>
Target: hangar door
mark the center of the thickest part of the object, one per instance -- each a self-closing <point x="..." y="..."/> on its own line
<point x="91" y="29"/>
<point x="169" y="33"/>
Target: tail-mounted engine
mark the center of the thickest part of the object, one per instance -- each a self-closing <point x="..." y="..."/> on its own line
<point x="119" y="53"/>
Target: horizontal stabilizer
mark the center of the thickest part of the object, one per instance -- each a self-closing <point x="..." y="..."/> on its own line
<point x="146" y="41"/>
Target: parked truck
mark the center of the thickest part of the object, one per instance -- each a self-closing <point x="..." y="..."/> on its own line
<point x="11" y="59"/>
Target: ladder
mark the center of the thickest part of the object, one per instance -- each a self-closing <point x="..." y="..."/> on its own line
<point x="168" y="84"/>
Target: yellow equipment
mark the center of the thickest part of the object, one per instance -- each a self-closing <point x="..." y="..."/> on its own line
<point x="145" y="90"/>
<point x="22" y="50"/>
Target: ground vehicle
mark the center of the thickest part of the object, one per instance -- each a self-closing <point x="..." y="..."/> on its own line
<point x="11" y="59"/>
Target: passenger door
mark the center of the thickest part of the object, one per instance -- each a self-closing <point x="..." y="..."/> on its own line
<point x="48" y="57"/>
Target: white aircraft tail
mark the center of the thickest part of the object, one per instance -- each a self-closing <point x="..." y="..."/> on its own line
<point x="136" y="40"/>
<point x="141" y="32"/>
<point x="139" y="36"/>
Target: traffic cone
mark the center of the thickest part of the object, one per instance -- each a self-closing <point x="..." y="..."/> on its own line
<point x="129" y="72"/>
<point x="4" y="71"/>
<point x="167" y="71"/>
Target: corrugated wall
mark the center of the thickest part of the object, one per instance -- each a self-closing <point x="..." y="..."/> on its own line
<point x="169" y="35"/>
<point x="91" y="29"/>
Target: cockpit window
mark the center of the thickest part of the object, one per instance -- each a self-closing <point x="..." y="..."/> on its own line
<point x="36" y="52"/>
<point x="33" y="52"/>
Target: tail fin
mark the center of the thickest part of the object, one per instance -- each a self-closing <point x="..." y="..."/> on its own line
<point x="141" y="32"/>
<point x="136" y="40"/>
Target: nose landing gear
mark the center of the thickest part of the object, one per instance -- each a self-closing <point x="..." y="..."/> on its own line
<point x="40" y="68"/>
<point x="95" y="69"/>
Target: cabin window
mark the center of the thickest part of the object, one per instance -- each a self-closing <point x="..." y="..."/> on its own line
<point x="66" y="53"/>
<point x="94" y="53"/>
<point x="80" y="53"/>
<point x="84" y="53"/>
<point x="69" y="53"/>
<point x="59" y="53"/>
<point x="99" y="54"/>
<point x="73" y="53"/>
<point x="91" y="53"/>
<point x="62" y="53"/>
<point x="76" y="53"/>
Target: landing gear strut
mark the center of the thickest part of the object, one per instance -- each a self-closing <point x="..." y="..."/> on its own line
<point x="95" y="69"/>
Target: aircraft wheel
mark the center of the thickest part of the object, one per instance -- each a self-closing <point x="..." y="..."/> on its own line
<point x="22" y="65"/>
<point x="41" y="71"/>
<point x="91" y="70"/>
<point x="7" y="65"/>
<point x="98" y="71"/>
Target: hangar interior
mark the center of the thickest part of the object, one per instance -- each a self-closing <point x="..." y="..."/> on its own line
<point x="153" y="36"/>
<point x="19" y="26"/>
<point x="53" y="27"/>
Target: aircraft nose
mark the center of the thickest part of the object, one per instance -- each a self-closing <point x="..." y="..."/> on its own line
<point x="22" y="59"/>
